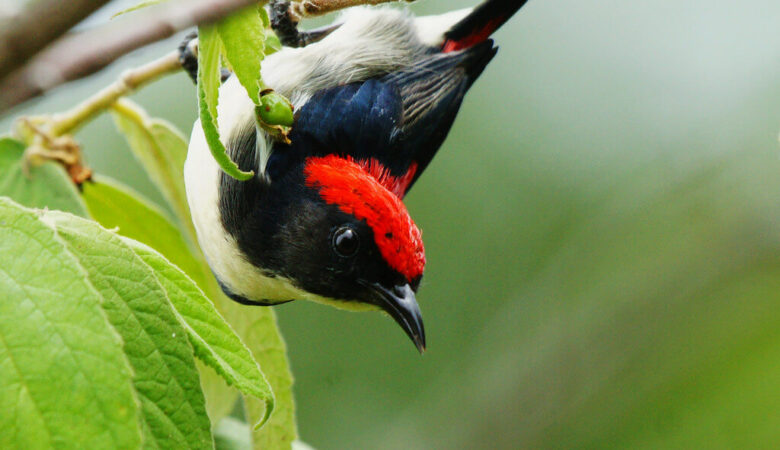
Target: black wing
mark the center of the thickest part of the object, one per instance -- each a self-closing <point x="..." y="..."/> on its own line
<point x="400" y="119"/>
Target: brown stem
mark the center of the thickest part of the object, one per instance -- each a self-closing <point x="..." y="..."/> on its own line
<point x="313" y="8"/>
<point x="67" y="122"/>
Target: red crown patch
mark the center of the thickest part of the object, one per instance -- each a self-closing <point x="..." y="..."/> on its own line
<point x="367" y="191"/>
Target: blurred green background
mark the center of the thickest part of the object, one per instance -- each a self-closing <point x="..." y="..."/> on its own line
<point x="602" y="229"/>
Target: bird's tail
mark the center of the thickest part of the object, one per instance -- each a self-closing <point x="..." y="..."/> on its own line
<point x="480" y="24"/>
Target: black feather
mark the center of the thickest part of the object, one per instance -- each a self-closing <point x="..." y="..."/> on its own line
<point x="400" y="119"/>
<point x="432" y="93"/>
<point x="484" y="19"/>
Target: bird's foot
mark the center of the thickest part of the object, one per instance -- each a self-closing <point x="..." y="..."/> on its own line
<point x="285" y="24"/>
<point x="188" y="55"/>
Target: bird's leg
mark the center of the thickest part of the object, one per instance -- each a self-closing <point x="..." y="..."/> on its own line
<point x="285" y="24"/>
<point x="188" y="57"/>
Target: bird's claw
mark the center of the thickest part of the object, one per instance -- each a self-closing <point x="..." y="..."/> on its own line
<point x="284" y="22"/>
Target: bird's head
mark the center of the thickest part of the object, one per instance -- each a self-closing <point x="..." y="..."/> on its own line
<point x="351" y="239"/>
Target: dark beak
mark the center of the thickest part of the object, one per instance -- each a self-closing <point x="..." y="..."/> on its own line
<point x="400" y="302"/>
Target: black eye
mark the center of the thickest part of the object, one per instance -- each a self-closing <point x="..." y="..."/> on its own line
<point x="346" y="242"/>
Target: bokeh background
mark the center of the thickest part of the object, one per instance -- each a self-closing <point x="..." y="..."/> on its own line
<point x="602" y="229"/>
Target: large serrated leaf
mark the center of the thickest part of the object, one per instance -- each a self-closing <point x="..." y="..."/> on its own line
<point x="214" y="341"/>
<point x="64" y="378"/>
<point x="155" y="343"/>
<point x="114" y="209"/>
<point x="116" y="206"/>
<point x="46" y="186"/>
<point x="161" y="150"/>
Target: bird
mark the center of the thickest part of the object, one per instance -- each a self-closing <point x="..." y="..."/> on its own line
<point x="323" y="217"/>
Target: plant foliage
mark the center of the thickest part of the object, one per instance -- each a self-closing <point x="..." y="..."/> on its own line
<point x="109" y="304"/>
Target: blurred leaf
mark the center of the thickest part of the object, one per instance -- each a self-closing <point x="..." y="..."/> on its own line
<point x="63" y="374"/>
<point x="161" y="149"/>
<point x="269" y="348"/>
<point x="213" y="339"/>
<point x="116" y="206"/>
<point x="272" y="42"/>
<point x="48" y="185"/>
<point x="155" y="343"/>
<point x="209" y="50"/>
<point x="652" y="321"/>
<point x="232" y="434"/>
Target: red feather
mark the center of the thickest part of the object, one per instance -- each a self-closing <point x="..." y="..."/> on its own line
<point x="474" y="38"/>
<point x="367" y="191"/>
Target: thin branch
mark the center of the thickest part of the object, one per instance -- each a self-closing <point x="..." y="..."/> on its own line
<point x="78" y="55"/>
<point x="67" y="122"/>
<point x="49" y="137"/>
<point x="313" y="8"/>
<point x="24" y="34"/>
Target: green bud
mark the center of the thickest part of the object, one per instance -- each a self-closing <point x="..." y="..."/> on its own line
<point x="274" y="109"/>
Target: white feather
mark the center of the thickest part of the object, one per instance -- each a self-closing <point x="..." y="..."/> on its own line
<point x="431" y="29"/>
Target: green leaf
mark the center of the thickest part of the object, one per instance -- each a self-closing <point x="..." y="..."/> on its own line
<point x="64" y="378"/>
<point x="214" y="341"/>
<point x="141" y="5"/>
<point x="243" y="39"/>
<point x="243" y="36"/>
<point x="209" y="64"/>
<point x="155" y="343"/>
<point x="266" y="21"/>
<point x="48" y="185"/>
<point x="209" y="50"/>
<point x="161" y="150"/>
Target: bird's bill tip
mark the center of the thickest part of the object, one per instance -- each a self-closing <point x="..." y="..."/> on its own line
<point x="400" y="302"/>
